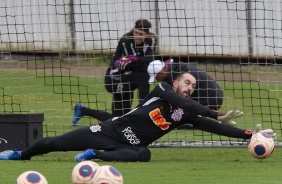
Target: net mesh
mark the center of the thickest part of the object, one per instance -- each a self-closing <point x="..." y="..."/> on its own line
<point x="55" y="54"/>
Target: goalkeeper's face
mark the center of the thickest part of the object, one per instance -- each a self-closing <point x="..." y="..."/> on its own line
<point x="139" y="36"/>
<point x="185" y="85"/>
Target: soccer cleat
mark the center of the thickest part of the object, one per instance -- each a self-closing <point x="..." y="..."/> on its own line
<point x="86" y="155"/>
<point x="10" y="155"/>
<point x="77" y="114"/>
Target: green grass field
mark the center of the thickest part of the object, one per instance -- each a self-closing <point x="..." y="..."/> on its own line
<point x="168" y="165"/>
<point x="54" y="95"/>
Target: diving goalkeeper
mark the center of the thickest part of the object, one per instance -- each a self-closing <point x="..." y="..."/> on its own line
<point x="126" y="138"/>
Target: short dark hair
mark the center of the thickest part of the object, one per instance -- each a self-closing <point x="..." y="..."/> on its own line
<point x="179" y="77"/>
<point x="143" y="24"/>
<point x="151" y="38"/>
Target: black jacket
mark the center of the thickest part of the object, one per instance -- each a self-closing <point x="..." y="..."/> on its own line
<point x="145" y="52"/>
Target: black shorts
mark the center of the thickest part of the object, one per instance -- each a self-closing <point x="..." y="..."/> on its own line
<point x="116" y="81"/>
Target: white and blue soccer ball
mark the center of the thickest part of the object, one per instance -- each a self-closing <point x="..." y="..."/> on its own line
<point x="108" y="174"/>
<point x="31" y="177"/>
<point x="261" y="145"/>
<point x="83" y="172"/>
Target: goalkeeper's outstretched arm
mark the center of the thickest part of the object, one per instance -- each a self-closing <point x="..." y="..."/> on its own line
<point x="195" y="107"/>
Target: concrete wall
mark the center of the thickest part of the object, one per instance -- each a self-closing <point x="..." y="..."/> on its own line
<point x="184" y="27"/>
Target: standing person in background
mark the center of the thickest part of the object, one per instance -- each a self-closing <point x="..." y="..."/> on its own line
<point x="125" y="73"/>
<point x="128" y="68"/>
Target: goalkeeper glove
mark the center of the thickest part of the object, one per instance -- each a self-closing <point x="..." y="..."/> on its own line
<point x="268" y="131"/>
<point x="227" y="117"/>
<point x="124" y="61"/>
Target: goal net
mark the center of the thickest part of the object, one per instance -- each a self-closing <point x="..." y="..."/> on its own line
<point x="56" y="53"/>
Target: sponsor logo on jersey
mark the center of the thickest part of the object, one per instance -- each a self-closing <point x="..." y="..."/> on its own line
<point x="95" y="128"/>
<point x="157" y="117"/>
<point x="177" y="114"/>
<point x="130" y="136"/>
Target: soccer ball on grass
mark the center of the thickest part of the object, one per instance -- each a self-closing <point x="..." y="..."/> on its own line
<point x="108" y="174"/>
<point x="261" y="145"/>
<point x="31" y="177"/>
<point x="83" y="172"/>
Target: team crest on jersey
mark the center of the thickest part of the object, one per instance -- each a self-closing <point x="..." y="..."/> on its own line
<point x="177" y="114"/>
<point x="95" y="128"/>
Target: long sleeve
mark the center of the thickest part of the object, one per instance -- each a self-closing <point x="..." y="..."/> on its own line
<point x="188" y="105"/>
<point x="119" y="52"/>
<point x="213" y="126"/>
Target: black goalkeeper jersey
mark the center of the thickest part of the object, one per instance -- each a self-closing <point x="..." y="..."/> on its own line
<point x="144" y="52"/>
<point x="205" y="84"/>
<point x="207" y="91"/>
<point x="160" y="112"/>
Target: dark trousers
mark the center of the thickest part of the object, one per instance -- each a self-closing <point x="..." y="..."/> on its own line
<point x="122" y="87"/>
<point x="86" y="137"/>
